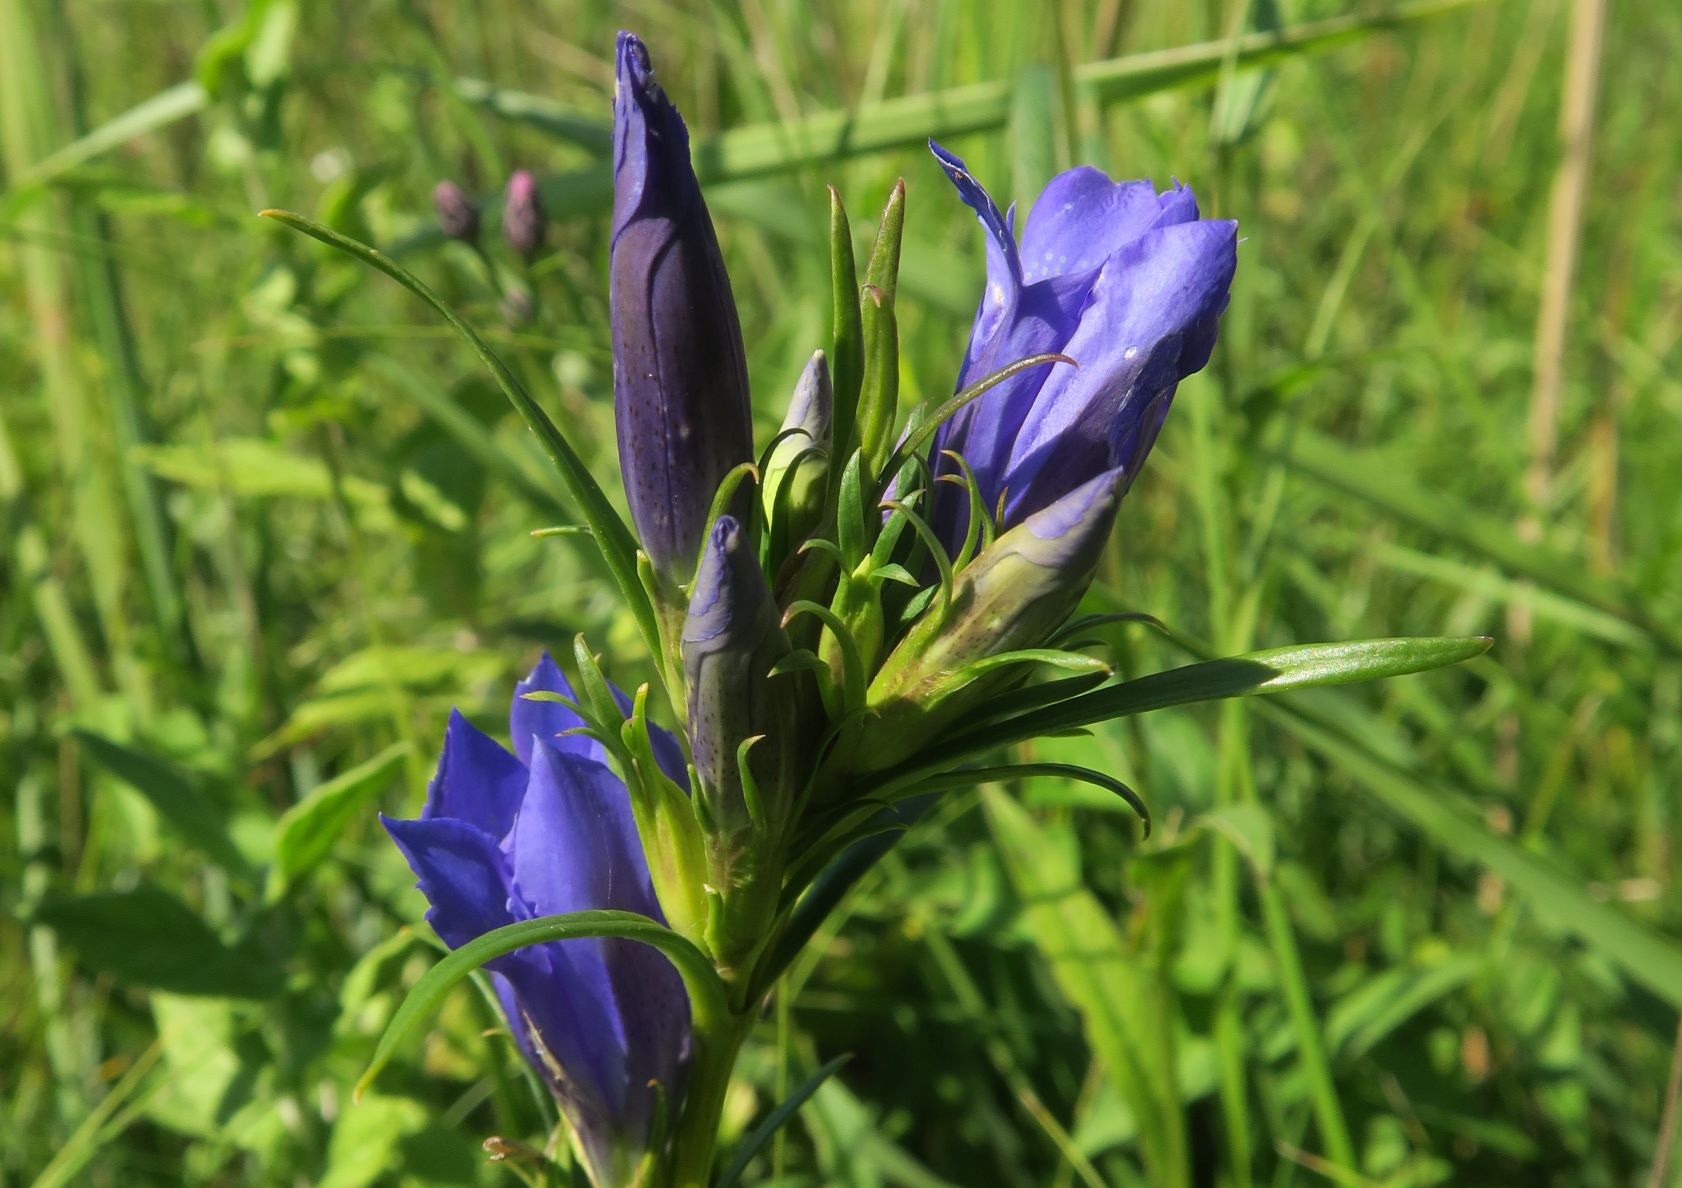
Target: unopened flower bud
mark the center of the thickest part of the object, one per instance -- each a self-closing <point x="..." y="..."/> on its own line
<point x="1013" y="596"/>
<point x="523" y="219"/>
<point x="680" y="383"/>
<point x="731" y="638"/>
<point x="811" y="413"/>
<point x="458" y="215"/>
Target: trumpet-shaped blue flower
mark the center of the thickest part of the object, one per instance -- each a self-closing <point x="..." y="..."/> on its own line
<point x="680" y="381"/>
<point x="543" y="830"/>
<point x="1129" y="283"/>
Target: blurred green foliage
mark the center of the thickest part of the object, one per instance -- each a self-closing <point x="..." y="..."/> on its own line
<point x="264" y="521"/>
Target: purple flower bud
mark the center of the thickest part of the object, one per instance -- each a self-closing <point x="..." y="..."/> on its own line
<point x="1129" y="283"/>
<point x="680" y="385"/>
<point x="1013" y="596"/>
<point x="731" y="638"/>
<point x="811" y="410"/>
<point x="548" y="829"/>
<point x="458" y="215"/>
<point x="523" y="220"/>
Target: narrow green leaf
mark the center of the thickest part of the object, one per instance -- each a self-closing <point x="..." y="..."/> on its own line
<point x="882" y="273"/>
<point x="832" y="884"/>
<point x="611" y="536"/>
<point x="924" y="432"/>
<point x="306" y="832"/>
<point x="773" y="1122"/>
<point x="1273" y="671"/>
<point x="878" y="410"/>
<point x="846" y="351"/>
<point x="706" y="991"/>
<point x="177" y="797"/>
<point x="972" y="777"/>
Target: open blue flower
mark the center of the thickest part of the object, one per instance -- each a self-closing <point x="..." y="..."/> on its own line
<point x="544" y="830"/>
<point x="1129" y="283"/>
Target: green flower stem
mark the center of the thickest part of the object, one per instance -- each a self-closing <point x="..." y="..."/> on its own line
<point x="718" y="1039"/>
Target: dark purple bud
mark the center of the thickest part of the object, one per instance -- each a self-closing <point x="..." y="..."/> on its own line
<point x="523" y="220"/>
<point x="458" y="215"/>
<point x="731" y="639"/>
<point x="680" y="384"/>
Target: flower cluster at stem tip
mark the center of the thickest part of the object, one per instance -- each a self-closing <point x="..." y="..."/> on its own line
<point x="837" y="619"/>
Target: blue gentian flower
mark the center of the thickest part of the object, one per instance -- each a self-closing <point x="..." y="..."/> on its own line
<point x="543" y="830"/>
<point x="1130" y="284"/>
<point x="680" y="381"/>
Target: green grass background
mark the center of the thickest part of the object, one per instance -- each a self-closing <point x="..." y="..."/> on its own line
<point x="263" y="521"/>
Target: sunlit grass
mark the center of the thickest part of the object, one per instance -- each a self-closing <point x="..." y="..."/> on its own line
<point x="265" y="522"/>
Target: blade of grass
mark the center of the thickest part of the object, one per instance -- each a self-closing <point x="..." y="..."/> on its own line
<point x="1122" y="1005"/>
<point x="1644" y="954"/>
<point x="607" y="529"/>
<point x="1368" y="478"/>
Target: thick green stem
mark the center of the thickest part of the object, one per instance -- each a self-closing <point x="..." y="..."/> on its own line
<point x="718" y="1039"/>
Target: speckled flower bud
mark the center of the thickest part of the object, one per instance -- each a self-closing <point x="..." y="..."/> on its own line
<point x="680" y="384"/>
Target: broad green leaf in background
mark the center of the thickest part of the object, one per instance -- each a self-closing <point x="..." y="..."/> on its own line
<point x="1124" y="1008"/>
<point x="307" y="832"/>
<point x="149" y="938"/>
<point x="180" y="800"/>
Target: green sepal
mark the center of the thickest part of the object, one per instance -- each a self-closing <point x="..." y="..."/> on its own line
<point x="879" y="394"/>
<point x="750" y="786"/>
<point x="726" y="493"/>
<point x="883" y="270"/>
<point x="791" y="513"/>
<point x="923" y="429"/>
<point x="672" y="839"/>
<point x="846" y="357"/>
<point x="852" y="529"/>
<point x="614" y="540"/>
<point x="982" y="529"/>
<point x="851" y="662"/>
<point x="799" y="660"/>
<point x="598" y="693"/>
<point x="937" y="551"/>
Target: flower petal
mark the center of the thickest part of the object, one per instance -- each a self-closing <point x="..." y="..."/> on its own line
<point x="477" y="780"/>
<point x="548" y="720"/>
<point x="1082" y="218"/>
<point x="1004" y="268"/>
<point x="575" y="844"/>
<point x="1151" y="322"/>
<point x="462" y="873"/>
<point x="576" y="848"/>
<point x="680" y="382"/>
